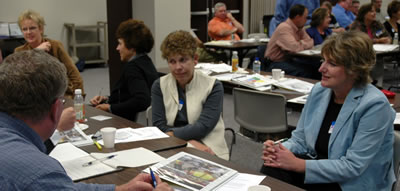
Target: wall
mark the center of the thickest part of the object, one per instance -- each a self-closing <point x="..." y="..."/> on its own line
<point x="162" y="17"/>
<point x="56" y="13"/>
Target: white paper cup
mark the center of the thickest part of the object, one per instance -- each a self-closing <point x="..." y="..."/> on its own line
<point x="276" y="74"/>
<point x="108" y="135"/>
<point x="259" y="188"/>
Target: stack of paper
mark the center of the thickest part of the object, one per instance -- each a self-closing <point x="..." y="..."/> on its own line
<point x="300" y="99"/>
<point x="295" y="85"/>
<point x="217" y="68"/>
<point x="220" y="42"/>
<point x="75" y="136"/>
<point x="310" y="52"/>
<point x="128" y="134"/>
<point x="253" y="81"/>
<point x="74" y="159"/>
<point x="385" y="47"/>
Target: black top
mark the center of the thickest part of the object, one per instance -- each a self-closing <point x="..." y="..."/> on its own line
<point x="131" y="93"/>
<point x="390" y="29"/>
<point x="321" y="145"/>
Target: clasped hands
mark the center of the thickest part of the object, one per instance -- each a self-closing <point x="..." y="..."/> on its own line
<point x="98" y="102"/>
<point x="278" y="156"/>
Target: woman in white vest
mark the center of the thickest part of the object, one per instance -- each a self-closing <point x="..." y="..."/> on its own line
<point x="186" y="103"/>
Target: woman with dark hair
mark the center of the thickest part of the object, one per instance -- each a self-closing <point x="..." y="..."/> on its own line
<point x="131" y="94"/>
<point x="366" y="22"/>
<point x="319" y="29"/>
<point x="392" y="26"/>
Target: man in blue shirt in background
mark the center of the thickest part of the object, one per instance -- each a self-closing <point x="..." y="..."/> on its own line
<point x="343" y="14"/>
<point x="32" y="85"/>
<point x="282" y="9"/>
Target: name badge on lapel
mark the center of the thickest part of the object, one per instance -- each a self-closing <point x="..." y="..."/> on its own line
<point x="331" y="127"/>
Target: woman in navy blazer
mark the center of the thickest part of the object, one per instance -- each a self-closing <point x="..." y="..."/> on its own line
<point x="319" y="29"/>
<point x="344" y="139"/>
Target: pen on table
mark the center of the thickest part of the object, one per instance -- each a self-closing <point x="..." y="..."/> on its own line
<point x="98" y="160"/>
<point x="153" y="178"/>
<point x="280" y="141"/>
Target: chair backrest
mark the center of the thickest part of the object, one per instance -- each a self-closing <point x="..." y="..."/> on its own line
<point x="149" y="117"/>
<point x="396" y="156"/>
<point x="260" y="112"/>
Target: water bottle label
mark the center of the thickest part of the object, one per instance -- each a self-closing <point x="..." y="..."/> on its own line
<point x="235" y="63"/>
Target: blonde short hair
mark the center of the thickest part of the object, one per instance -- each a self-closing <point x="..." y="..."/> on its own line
<point x="354" y="51"/>
<point x="179" y="42"/>
<point x="32" y="15"/>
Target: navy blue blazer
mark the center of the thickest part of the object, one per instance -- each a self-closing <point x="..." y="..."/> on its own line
<point x="360" y="150"/>
<point x="314" y="34"/>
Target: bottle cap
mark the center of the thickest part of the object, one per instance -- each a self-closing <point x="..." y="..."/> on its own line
<point x="235" y="52"/>
<point x="78" y="91"/>
<point x="257" y="59"/>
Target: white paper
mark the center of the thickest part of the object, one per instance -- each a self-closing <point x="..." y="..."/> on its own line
<point x="67" y="151"/>
<point x="220" y="42"/>
<point x="385" y="47"/>
<point x="218" y="68"/>
<point x="15" y="30"/>
<point x="101" y="117"/>
<point x="128" y="134"/>
<point x="310" y="52"/>
<point x="75" y="136"/>
<point x="130" y="158"/>
<point x="300" y="99"/>
<point x="241" y="182"/>
<point x="397" y="119"/>
<point x="295" y="85"/>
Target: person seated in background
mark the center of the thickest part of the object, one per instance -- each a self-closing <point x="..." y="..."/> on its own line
<point x="186" y="103"/>
<point x="30" y="110"/>
<point x="377" y="4"/>
<point x="333" y="25"/>
<point x="319" y="29"/>
<point x="131" y="93"/>
<point x="282" y="11"/>
<point x="208" y="55"/>
<point x="367" y="23"/>
<point x="343" y="14"/>
<point x="344" y="138"/>
<point x="224" y="25"/>
<point x="392" y="26"/>
<point x="355" y="6"/>
<point x="32" y="24"/>
<point x="290" y="37"/>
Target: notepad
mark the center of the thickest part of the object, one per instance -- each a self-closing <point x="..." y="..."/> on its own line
<point x="193" y="172"/>
<point x="295" y="85"/>
<point x="73" y="158"/>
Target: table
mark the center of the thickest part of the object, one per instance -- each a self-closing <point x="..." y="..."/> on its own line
<point x="241" y="47"/>
<point x="165" y="147"/>
<point x="128" y="173"/>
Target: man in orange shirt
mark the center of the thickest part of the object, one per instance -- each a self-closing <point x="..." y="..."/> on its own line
<point x="223" y="25"/>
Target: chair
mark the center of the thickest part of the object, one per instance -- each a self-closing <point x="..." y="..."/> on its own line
<point x="260" y="112"/>
<point x="233" y="140"/>
<point x="149" y="117"/>
<point x="396" y="157"/>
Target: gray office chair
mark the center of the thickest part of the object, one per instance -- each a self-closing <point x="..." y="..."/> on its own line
<point x="260" y="112"/>
<point x="396" y="157"/>
<point x="149" y="117"/>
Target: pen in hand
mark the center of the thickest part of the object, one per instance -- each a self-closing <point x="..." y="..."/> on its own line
<point x="98" y="160"/>
<point x="153" y="178"/>
<point x="280" y="141"/>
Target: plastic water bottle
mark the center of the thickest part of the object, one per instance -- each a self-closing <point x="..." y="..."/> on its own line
<point x="79" y="106"/>
<point x="256" y="66"/>
<point x="396" y="38"/>
<point x="235" y="61"/>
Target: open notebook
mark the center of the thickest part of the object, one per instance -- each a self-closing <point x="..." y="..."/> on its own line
<point x="193" y="172"/>
<point x="74" y="159"/>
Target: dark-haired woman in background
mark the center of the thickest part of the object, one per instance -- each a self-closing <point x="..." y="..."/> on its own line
<point x="391" y="25"/>
<point x="319" y="29"/>
<point x="366" y="22"/>
<point x="131" y="94"/>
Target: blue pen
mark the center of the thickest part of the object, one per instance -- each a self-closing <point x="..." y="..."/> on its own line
<point x="153" y="178"/>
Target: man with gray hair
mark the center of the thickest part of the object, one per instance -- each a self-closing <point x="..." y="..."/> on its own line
<point x="224" y="25"/>
<point x="32" y="85"/>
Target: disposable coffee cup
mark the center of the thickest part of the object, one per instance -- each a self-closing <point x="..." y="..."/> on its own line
<point x="259" y="188"/>
<point x="108" y="135"/>
<point x="276" y="74"/>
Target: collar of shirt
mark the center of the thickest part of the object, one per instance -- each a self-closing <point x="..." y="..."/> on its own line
<point x="136" y="56"/>
<point x="294" y="27"/>
<point x="22" y="129"/>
